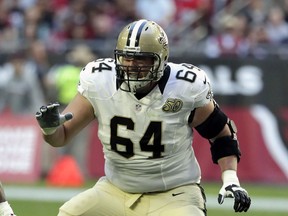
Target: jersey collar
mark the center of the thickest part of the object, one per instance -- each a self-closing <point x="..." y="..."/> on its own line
<point x="164" y="79"/>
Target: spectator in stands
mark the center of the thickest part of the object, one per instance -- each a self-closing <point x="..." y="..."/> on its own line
<point x="191" y="11"/>
<point x="73" y="21"/>
<point x="256" y="11"/>
<point x="65" y="77"/>
<point x="20" y="85"/>
<point x="9" y="34"/>
<point x="162" y="12"/>
<point x="285" y="10"/>
<point x="257" y="39"/>
<point x="104" y="20"/>
<point x="276" y="26"/>
<point x="229" y="41"/>
<point x="15" y="14"/>
<point x="38" y="21"/>
<point x="124" y="11"/>
<point x="39" y="60"/>
<point x="5" y="208"/>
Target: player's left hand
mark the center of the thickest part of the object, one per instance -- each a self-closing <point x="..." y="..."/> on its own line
<point x="242" y="201"/>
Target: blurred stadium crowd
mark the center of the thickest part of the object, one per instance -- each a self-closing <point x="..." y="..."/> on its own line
<point x="49" y="41"/>
<point x="235" y="26"/>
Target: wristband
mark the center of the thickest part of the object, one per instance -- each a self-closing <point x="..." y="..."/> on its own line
<point x="230" y="176"/>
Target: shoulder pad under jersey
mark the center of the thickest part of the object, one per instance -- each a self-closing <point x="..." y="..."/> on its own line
<point x="98" y="78"/>
<point x="192" y="82"/>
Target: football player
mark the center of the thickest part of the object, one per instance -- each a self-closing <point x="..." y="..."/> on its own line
<point x="146" y="109"/>
<point x="5" y="208"/>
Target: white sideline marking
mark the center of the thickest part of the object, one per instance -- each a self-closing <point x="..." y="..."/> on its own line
<point x="64" y="194"/>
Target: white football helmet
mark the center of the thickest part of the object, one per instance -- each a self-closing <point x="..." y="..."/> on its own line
<point x="141" y="39"/>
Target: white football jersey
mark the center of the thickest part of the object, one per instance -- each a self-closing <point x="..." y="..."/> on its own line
<point x="147" y="143"/>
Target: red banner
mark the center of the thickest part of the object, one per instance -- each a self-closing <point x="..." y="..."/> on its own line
<point x="19" y="149"/>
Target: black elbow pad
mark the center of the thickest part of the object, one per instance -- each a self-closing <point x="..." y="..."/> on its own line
<point x="225" y="146"/>
<point x="213" y="125"/>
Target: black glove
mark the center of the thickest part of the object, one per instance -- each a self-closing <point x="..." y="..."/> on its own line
<point x="242" y="200"/>
<point x="231" y="188"/>
<point x="49" y="118"/>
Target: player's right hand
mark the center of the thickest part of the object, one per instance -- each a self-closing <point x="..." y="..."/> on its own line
<point x="49" y="118"/>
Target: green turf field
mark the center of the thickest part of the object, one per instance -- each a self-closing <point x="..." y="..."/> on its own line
<point x="273" y="192"/>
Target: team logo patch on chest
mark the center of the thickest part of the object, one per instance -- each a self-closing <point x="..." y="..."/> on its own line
<point x="172" y="105"/>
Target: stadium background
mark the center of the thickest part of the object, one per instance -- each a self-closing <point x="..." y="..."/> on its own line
<point x="242" y="45"/>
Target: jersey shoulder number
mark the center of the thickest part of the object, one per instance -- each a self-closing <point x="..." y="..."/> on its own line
<point x="99" y="65"/>
<point x="98" y="75"/>
<point x="192" y="82"/>
<point x="188" y="72"/>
